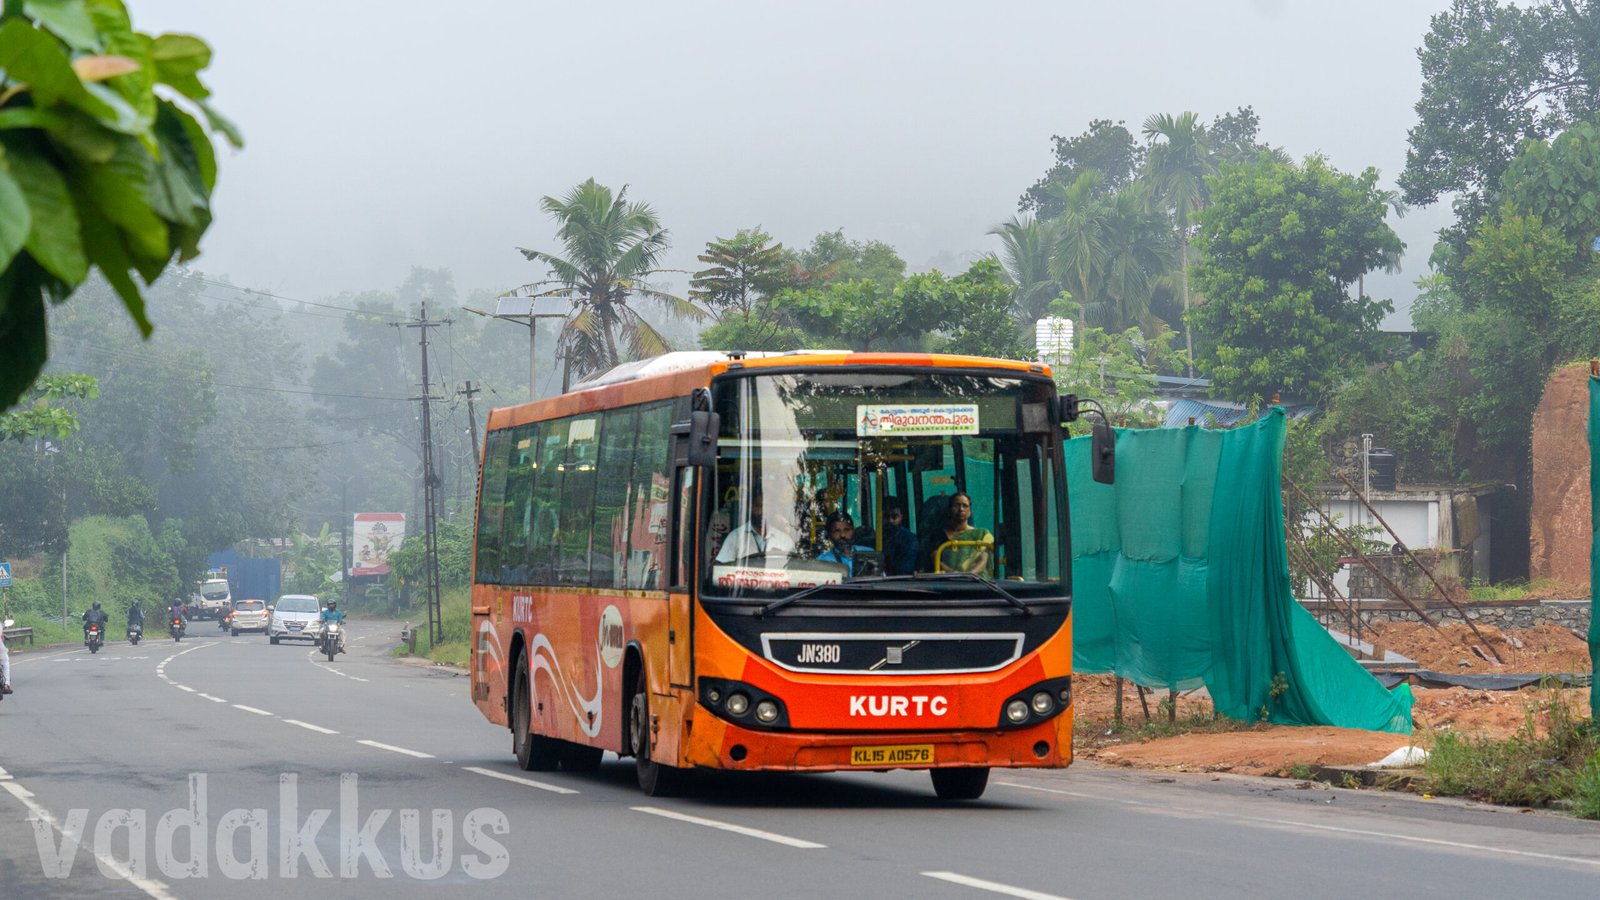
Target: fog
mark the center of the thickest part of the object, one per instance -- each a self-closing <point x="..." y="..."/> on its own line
<point x="386" y="135"/>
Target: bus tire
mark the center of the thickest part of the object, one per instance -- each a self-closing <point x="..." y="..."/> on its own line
<point x="535" y="753"/>
<point x="655" y="779"/>
<point x="959" y="784"/>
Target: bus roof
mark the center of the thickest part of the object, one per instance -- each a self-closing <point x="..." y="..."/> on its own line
<point x="676" y="374"/>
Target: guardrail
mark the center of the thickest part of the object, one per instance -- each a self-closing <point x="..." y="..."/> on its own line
<point x="15" y="635"/>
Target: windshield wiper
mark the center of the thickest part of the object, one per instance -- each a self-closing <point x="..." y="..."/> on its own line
<point x="984" y="580"/>
<point x="780" y="603"/>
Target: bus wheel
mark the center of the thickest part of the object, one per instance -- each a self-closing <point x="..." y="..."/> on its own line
<point x="959" y="784"/>
<point x="535" y="753"/>
<point x="655" y="779"/>
<point x="581" y="758"/>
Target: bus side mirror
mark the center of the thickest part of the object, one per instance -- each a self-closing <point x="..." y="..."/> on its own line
<point x="704" y="426"/>
<point x="1103" y="449"/>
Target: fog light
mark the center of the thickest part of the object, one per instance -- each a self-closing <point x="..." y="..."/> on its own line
<point x="738" y="704"/>
<point x="767" y="711"/>
<point x="1042" y="704"/>
<point x="714" y="695"/>
<point x="1017" y="711"/>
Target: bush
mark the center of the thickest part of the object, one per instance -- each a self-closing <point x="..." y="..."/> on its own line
<point x="1528" y="769"/>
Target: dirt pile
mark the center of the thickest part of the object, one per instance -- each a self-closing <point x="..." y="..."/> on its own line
<point x="1532" y="651"/>
<point x="1276" y="749"/>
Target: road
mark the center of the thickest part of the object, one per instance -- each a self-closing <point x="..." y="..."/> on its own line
<point x="403" y="764"/>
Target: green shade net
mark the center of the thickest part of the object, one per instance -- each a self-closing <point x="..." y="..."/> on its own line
<point x="1594" y="546"/>
<point x="1181" y="579"/>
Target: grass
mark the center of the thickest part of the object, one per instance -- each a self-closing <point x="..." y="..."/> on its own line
<point x="1538" y="589"/>
<point x="455" y="615"/>
<point x="1558" y="763"/>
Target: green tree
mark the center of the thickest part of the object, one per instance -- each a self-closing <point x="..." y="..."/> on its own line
<point x="1559" y="182"/>
<point x="743" y="274"/>
<point x="1107" y="147"/>
<point x="1279" y="249"/>
<point x="1179" y="163"/>
<point x="44" y="416"/>
<point x="98" y="168"/>
<point x="1027" y="246"/>
<point x="611" y="246"/>
<point x="1494" y="74"/>
<point x="833" y="257"/>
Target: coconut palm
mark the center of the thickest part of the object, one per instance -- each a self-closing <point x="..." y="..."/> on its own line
<point x="1137" y="251"/>
<point x="610" y="247"/>
<point x="1177" y="167"/>
<point x="1078" y="231"/>
<point x="1026" y="247"/>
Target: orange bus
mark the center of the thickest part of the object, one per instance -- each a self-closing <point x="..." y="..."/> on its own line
<point x="798" y="562"/>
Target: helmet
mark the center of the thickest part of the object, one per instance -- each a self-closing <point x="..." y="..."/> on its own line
<point x="97" y="604"/>
<point x="333" y="604"/>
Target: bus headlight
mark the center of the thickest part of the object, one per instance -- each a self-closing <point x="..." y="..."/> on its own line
<point x="767" y="712"/>
<point x="734" y="701"/>
<point x="1017" y="712"/>
<point x="1041" y="703"/>
<point x="738" y="704"/>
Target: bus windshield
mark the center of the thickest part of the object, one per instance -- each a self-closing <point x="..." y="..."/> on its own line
<point x="833" y="477"/>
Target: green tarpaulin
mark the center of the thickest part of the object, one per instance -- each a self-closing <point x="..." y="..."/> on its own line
<point x="1594" y="546"/>
<point x="1181" y="579"/>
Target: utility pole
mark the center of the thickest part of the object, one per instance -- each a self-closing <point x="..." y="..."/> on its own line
<point x="472" y="418"/>
<point x="430" y="480"/>
<point x="344" y="546"/>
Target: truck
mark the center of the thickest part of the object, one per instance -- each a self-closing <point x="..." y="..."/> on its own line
<point x="213" y="597"/>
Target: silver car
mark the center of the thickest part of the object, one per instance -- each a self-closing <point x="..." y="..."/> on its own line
<point x="295" y="617"/>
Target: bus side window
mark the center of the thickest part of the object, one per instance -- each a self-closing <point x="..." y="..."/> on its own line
<point x="649" y="499"/>
<point x="491" y="506"/>
<point x="617" y="436"/>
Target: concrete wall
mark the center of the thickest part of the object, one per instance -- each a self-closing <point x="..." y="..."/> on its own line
<point x="1572" y="614"/>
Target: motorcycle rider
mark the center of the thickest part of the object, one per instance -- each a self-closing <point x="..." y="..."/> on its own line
<point x="177" y="612"/>
<point x="5" y="661"/>
<point x="331" y="613"/>
<point x="135" y="615"/>
<point x="94" y="616"/>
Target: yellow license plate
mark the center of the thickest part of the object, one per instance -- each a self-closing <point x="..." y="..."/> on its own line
<point x="892" y="755"/>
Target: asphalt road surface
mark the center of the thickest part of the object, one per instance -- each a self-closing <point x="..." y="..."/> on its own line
<point x="226" y="767"/>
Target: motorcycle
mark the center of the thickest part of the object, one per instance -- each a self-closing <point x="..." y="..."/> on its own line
<point x="176" y="628"/>
<point x="224" y="621"/>
<point x="93" y="638"/>
<point x="135" y="632"/>
<point x="332" y="639"/>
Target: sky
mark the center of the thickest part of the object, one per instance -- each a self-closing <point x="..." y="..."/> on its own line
<point x="387" y="134"/>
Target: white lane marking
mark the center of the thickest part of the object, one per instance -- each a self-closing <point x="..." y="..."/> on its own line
<point x="310" y="727"/>
<point x="211" y="698"/>
<point x="311" y="657"/>
<point x="992" y="886"/>
<point x="390" y="747"/>
<point x="1290" y="823"/>
<point x="726" y="826"/>
<point x="251" y="709"/>
<point x="183" y="687"/>
<point x="18" y="657"/>
<point x="150" y="886"/>
<point x="554" y="789"/>
<point x="4" y="775"/>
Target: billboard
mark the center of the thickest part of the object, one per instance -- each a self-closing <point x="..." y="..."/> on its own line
<point x="375" y="536"/>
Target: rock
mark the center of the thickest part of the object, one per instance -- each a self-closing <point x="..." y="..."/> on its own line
<point x="1464" y="664"/>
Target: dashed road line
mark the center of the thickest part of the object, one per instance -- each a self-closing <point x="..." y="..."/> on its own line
<point x="993" y="886"/>
<point x="211" y="698"/>
<point x="310" y="727"/>
<point x="150" y="886"/>
<point x="184" y="687"/>
<point x="393" y="749"/>
<point x="735" y="829"/>
<point x="552" y="788"/>
<point x="252" y="709"/>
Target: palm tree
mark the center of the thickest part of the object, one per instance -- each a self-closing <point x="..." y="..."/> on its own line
<point x="1079" y="245"/>
<point x="1177" y="168"/>
<point x="1026" y="247"/>
<point x="1137" y="253"/>
<point x="610" y="246"/>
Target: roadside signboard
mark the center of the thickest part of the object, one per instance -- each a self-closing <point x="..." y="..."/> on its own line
<point x="5" y="574"/>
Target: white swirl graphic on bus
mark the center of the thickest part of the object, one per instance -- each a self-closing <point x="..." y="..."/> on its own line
<point x="589" y="712"/>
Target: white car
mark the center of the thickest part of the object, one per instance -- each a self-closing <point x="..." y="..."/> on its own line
<point x="295" y="617"/>
<point x="249" y="615"/>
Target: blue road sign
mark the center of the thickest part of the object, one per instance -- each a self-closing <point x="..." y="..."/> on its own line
<point x="5" y="574"/>
<point x="1597" y="245"/>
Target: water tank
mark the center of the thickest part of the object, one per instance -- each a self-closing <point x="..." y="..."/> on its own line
<point x="1052" y="337"/>
<point x="1380" y="469"/>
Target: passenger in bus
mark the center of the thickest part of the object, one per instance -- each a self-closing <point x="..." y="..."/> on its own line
<point x="754" y="538"/>
<point x="972" y="554"/>
<point x="841" y="534"/>
<point x="717" y="532"/>
<point x="899" y="542"/>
